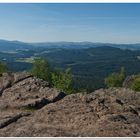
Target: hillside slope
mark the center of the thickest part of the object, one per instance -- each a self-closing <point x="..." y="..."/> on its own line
<point x="89" y="65"/>
<point x="29" y="107"/>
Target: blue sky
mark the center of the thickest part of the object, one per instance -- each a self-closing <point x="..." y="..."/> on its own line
<point x="114" y="23"/>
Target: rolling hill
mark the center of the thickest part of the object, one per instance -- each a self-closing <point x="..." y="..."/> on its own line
<point x="89" y="65"/>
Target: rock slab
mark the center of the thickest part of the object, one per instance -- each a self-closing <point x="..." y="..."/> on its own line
<point x="30" y="108"/>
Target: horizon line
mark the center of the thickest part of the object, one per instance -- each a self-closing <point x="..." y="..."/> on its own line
<point x="69" y="42"/>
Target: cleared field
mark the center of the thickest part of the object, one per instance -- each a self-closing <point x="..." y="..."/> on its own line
<point x="27" y="60"/>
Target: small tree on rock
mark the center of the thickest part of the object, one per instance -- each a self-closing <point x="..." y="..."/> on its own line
<point x="62" y="80"/>
<point x="115" y="79"/>
<point x="41" y="69"/>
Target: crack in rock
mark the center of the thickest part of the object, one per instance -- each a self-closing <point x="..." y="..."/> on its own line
<point x="13" y="119"/>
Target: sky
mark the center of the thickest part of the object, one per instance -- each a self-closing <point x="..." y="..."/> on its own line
<point x="106" y="23"/>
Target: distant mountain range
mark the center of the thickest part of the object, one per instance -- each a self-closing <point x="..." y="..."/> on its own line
<point x="86" y="45"/>
<point x="17" y="45"/>
<point x="13" y="45"/>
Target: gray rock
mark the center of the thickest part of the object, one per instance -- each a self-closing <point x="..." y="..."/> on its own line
<point x="28" y="92"/>
<point x="30" y="107"/>
<point x="21" y="76"/>
<point x="5" y="82"/>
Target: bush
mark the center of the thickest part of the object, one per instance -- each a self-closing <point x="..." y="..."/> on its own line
<point x="62" y="80"/>
<point x="136" y="84"/>
<point x="115" y="79"/>
<point x="41" y="69"/>
<point x="3" y="68"/>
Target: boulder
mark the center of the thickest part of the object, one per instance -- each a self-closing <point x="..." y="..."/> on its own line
<point x="19" y="76"/>
<point x="29" y="93"/>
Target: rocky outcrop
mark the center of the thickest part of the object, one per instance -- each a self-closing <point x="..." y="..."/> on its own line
<point x="25" y="91"/>
<point x="5" y="82"/>
<point x="31" y="108"/>
<point x="8" y="79"/>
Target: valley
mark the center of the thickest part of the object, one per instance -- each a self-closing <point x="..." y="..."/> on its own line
<point x="89" y="64"/>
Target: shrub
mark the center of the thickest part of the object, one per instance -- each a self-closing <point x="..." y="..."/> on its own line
<point x="62" y="80"/>
<point x="115" y="79"/>
<point x="41" y="69"/>
<point x="136" y="84"/>
<point x="3" y="68"/>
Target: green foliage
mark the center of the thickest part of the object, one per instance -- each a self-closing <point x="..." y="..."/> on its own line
<point x="3" y="67"/>
<point x="136" y="84"/>
<point x="41" y="69"/>
<point x="62" y="80"/>
<point x="115" y="79"/>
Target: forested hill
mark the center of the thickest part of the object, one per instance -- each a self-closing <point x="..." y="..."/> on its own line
<point x="89" y="66"/>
